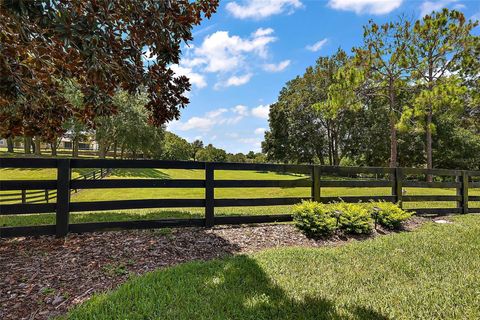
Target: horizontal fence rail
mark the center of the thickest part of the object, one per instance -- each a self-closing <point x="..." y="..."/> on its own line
<point x="309" y="176"/>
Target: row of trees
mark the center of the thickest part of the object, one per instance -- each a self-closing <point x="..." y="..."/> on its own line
<point x="129" y="134"/>
<point x="408" y="96"/>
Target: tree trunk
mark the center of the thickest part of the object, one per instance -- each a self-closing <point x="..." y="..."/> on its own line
<point x="38" y="145"/>
<point x="393" y="127"/>
<point x="330" y="147"/>
<point x="393" y="143"/>
<point x="428" y="131"/>
<point x="102" y="149"/>
<point x="115" y="150"/>
<point x="428" y="144"/>
<point x="75" y="148"/>
<point x="335" y="152"/>
<point x="53" y="147"/>
<point x="27" y="145"/>
<point x="10" y="145"/>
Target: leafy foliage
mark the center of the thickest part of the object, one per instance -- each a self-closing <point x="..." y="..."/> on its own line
<point x="353" y="217"/>
<point x="106" y="43"/>
<point x="176" y="148"/>
<point x="212" y="154"/>
<point x="314" y="219"/>
<point x="417" y="83"/>
<point x="388" y="215"/>
<point x="318" y="219"/>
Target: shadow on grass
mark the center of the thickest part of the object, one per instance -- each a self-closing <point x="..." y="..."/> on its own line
<point x="232" y="288"/>
<point x="100" y="216"/>
<point x="141" y="173"/>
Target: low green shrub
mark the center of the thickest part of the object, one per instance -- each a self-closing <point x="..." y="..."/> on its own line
<point x="314" y="219"/>
<point x="353" y="217"/>
<point x="388" y="215"/>
<point x="318" y="219"/>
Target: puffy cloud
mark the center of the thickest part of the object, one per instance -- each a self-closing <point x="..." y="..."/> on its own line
<point x="317" y="45"/>
<point x="209" y="120"/>
<point x="271" y="67"/>
<point x="366" y="6"/>
<point x="260" y="131"/>
<point x="241" y="110"/>
<point x="196" y="79"/>
<point x="238" y="80"/>
<point x="261" y="111"/>
<point x="259" y="9"/>
<point x="221" y="52"/>
<point x="198" y="123"/>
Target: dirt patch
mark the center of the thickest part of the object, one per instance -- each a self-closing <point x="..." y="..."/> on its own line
<point x="41" y="277"/>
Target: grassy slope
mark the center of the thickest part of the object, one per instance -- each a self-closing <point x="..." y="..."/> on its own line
<point x="431" y="273"/>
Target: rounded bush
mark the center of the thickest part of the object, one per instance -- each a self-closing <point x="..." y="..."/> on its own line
<point x="314" y="219"/>
<point x="353" y="218"/>
<point x="388" y="215"/>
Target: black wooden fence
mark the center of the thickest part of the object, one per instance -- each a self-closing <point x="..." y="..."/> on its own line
<point x="46" y="195"/>
<point x="315" y="177"/>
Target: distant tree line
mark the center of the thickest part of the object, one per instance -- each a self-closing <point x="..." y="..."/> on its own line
<point x="408" y="96"/>
<point x="129" y="134"/>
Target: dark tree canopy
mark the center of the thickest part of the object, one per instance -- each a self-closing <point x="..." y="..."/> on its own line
<point x="102" y="45"/>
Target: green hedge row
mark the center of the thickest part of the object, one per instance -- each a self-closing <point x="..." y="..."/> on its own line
<point x="318" y="219"/>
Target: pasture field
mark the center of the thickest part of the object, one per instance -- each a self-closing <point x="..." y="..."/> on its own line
<point x="184" y="193"/>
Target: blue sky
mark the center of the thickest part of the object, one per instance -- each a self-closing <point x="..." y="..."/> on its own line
<point x="241" y="58"/>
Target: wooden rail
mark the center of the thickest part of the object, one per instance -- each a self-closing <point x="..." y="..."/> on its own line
<point x="44" y="190"/>
<point x="312" y="176"/>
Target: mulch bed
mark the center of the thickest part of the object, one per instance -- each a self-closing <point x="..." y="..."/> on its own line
<point x="42" y="277"/>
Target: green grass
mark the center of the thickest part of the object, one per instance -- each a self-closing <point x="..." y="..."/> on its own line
<point x="431" y="273"/>
<point x="154" y="193"/>
<point x="160" y="193"/>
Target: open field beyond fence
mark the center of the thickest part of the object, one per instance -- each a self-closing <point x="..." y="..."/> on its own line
<point x="148" y="194"/>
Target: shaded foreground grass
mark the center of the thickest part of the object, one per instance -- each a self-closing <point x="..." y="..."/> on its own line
<point x="431" y="273"/>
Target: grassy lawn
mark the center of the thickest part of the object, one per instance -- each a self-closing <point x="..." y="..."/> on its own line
<point x="431" y="273"/>
<point x="153" y="193"/>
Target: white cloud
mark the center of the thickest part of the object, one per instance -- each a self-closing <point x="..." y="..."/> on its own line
<point x="428" y="6"/>
<point x="260" y="32"/>
<point x="198" y="123"/>
<point x="241" y="110"/>
<point x="271" y="67"/>
<point x="261" y="111"/>
<point x="317" y="45"/>
<point x="260" y="131"/>
<point x="210" y="119"/>
<point x="366" y="6"/>
<point x="259" y="9"/>
<point x="216" y="113"/>
<point x="195" y="78"/>
<point x="238" y="80"/>
<point x="221" y="52"/>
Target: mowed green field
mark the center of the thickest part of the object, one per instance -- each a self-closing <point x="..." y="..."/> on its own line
<point x="192" y="193"/>
<point x="430" y="273"/>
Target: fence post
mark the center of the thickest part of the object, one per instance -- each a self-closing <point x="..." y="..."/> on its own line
<point x="462" y="191"/>
<point x="46" y="195"/>
<point x="209" y="195"/>
<point x="24" y="196"/>
<point x="397" y="191"/>
<point x="63" y="197"/>
<point x="315" y="183"/>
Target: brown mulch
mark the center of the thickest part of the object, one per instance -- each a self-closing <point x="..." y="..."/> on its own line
<point x="42" y="277"/>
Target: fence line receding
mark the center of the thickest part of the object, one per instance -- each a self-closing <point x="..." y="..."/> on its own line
<point x="316" y="178"/>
